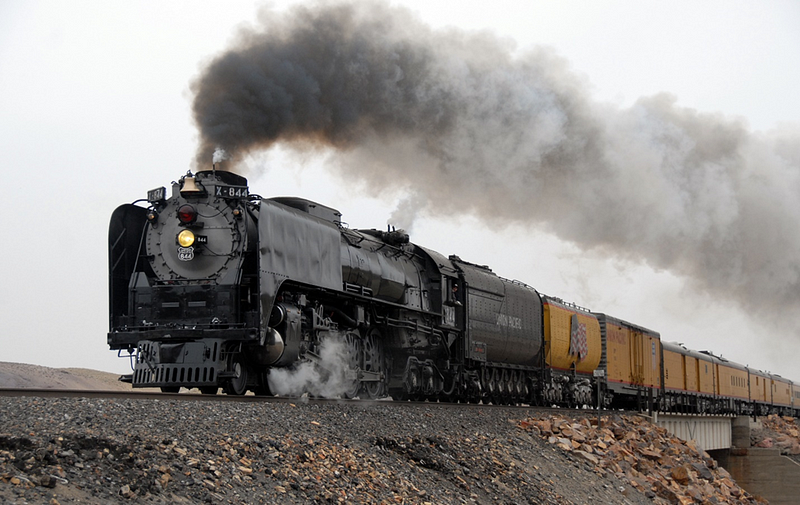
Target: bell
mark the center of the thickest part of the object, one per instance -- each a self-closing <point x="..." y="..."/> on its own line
<point x="189" y="186"/>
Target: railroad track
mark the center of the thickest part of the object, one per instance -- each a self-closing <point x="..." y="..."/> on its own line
<point x="157" y="395"/>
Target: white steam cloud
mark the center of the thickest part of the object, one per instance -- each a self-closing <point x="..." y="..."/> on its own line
<point x="325" y="378"/>
<point x="219" y="156"/>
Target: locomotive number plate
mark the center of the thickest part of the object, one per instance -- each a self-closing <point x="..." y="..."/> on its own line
<point x="232" y="191"/>
<point x="186" y="253"/>
<point x="157" y="195"/>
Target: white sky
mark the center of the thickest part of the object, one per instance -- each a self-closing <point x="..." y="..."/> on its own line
<point x="95" y="110"/>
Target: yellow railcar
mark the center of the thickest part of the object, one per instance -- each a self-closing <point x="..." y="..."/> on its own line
<point x="732" y="381"/>
<point x="692" y="375"/>
<point x="572" y="350"/>
<point x="759" y="392"/>
<point x="674" y="368"/>
<point x="732" y="391"/>
<point x="781" y="393"/>
<point x="571" y="337"/>
<point x="632" y="357"/>
<point x="704" y="373"/>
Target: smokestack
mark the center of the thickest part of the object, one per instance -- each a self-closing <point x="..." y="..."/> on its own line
<point x="470" y="125"/>
<point x="220" y="160"/>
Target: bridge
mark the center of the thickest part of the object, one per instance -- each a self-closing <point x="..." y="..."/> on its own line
<point x="711" y="433"/>
<point x="762" y="472"/>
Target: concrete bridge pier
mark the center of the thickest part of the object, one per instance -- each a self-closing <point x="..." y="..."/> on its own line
<point x="762" y="472"/>
<point x="740" y="432"/>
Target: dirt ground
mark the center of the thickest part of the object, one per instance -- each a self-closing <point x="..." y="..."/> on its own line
<point x="22" y="375"/>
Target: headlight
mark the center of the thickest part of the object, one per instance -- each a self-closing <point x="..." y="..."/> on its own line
<point x="186" y="238"/>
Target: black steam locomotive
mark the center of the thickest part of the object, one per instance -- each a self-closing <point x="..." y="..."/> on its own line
<point x="212" y="286"/>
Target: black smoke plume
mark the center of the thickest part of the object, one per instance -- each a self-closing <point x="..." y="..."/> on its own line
<point x="467" y="123"/>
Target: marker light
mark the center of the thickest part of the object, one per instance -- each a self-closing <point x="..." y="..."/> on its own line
<point x="186" y="238"/>
<point x="187" y="214"/>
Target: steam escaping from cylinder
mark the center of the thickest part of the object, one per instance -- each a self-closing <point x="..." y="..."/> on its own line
<point x="465" y="123"/>
<point x="326" y="377"/>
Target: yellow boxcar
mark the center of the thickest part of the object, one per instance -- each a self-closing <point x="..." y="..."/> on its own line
<point x="571" y="337"/>
<point x="781" y="391"/>
<point x="758" y="386"/>
<point x="796" y="395"/>
<point x="674" y="367"/>
<point x="705" y="373"/>
<point x="633" y="353"/>
<point x="692" y="374"/>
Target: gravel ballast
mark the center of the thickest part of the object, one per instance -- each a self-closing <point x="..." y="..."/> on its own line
<point x="182" y="451"/>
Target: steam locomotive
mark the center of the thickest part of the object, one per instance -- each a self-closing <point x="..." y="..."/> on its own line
<point x="211" y="286"/>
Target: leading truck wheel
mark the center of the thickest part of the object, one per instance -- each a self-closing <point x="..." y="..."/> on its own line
<point x="237" y="385"/>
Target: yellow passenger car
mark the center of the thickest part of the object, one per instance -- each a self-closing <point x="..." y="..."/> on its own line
<point x="734" y="395"/>
<point x="781" y="393"/>
<point x="760" y="391"/>
<point x="704" y="373"/>
<point x="632" y="357"/>
<point x="674" y="368"/>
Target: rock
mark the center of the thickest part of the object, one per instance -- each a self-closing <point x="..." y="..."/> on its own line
<point x="591" y="458"/>
<point x="125" y="491"/>
<point x="651" y="454"/>
<point x="545" y="426"/>
<point x="703" y="471"/>
<point x="680" y="474"/>
<point x="47" y="481"/>
<point x="665" y="492"/>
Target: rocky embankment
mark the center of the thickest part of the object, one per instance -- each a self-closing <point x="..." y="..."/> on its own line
<point x="182" y="451"/>
<point x="645" y="456"/>
<point x="778" y="432"/>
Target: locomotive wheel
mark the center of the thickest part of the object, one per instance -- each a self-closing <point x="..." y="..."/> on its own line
<point x="237" y="385"/>
<point x="263" y="385"/>
<point x="524" y="389"/>
<point x="496" y="384"/>
<point x="488" y="383"/>
<point x="518" y="379"/>
<point x="352" y="363"/>
<point x="505" y="386"/>
<point x="374" y="361"/>
<point x="412" y="385"/>
<point x="516" y="386"/>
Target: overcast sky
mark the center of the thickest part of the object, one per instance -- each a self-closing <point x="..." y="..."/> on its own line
<point x="95" y="109"/>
